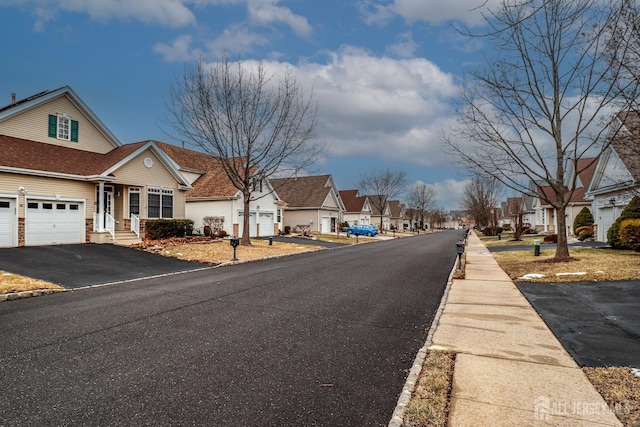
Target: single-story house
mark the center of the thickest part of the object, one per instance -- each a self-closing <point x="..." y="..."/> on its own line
<point x="214" y="195"/>
<point x="357" y="208"/>
<point x="313" y="203"/>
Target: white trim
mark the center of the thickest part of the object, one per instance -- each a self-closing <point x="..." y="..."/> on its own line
<point x="46" y="174"/>
<point x="16" y="201"/>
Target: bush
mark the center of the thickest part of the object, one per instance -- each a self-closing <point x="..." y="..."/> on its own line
<point x="585" y="232"/>
<point x="551" y="238"/>
<point x="344" y="225"/>
<point x="632" y="211"/>
<point x="287" y="229"/>
<point x="584" y="218"/>
<point x="630" y="234"/>
<point x="156" y="229"/>
<point x="492" y="231"/>
<point x="221" y="234"/>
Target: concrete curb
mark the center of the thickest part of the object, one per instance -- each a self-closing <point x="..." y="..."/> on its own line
<point x="397" y="417"/>
<point x="28" y="294"/>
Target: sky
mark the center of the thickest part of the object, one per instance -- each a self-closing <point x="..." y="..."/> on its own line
<point x="385" y="73"/>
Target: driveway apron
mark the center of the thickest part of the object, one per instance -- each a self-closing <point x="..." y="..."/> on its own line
<point x="76" y="266"/>
<point x="597" y="323"/>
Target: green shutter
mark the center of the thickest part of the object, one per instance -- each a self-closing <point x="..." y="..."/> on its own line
<point x="53" y="126"/>
<point x="74" y="130"/>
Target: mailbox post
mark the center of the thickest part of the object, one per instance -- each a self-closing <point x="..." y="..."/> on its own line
<point x="234" y="242"/>
<point x="459" y="251"/>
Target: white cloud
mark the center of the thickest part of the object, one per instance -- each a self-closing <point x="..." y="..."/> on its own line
<point x="170" y="13"/>
<point x="405" y="48"/>
<point x="265" y="12"/>
<point x="236" y="40"/>
<point x="432" y="11"/>
<point x="449" y="193"/>
<point x="178" y="51"/>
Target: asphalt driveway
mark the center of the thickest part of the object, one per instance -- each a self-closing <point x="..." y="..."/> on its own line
<point x="76" y="266"/>
<point x="597" y="323"/>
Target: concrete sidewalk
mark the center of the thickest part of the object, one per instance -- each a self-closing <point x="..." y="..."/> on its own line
<point x="510" y="369"/>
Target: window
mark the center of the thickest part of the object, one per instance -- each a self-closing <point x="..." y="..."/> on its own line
<point x="159" y="202"/>
<point x="74" y="207"/>
<point x="5" y="205"/>
<point x="62" y="127"/>
<point x="61" y="206"/>
<point x="32" y="205"/>
<point x="47" y="206"/>
<point x="134" y="201"/>
<point x="279" y="217"/>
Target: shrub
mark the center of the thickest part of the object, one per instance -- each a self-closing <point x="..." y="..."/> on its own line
<point x="583" y="218"/>
<point x="492" y="231"/>
<point x="630" y="234"/>
<point x="632" y="211"/>
<point x="585" y="232"/>
<point x="156" y="229"/>
<point x="221" y="233"/>
<point x="344" y="225"/>
<point x="287" y="229"/>
<point x="507" y="227"/>
<point x="551" y="238"/>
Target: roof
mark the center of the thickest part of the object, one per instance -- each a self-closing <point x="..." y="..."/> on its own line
<point x="303" y="191"/>
<point x="587" y="169"/>
<point x="376" y="202"/>
<point x="213" y="182"/>
<point x="396" y="208"/>
<point x="352" y="202"/>
<point x="627" y="144"/>
<point x="24" y="154"/>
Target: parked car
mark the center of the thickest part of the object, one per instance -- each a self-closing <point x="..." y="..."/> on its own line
<point x="362" y="230"/>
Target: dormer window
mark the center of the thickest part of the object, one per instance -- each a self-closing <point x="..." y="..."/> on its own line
<point x="62" y="127"/>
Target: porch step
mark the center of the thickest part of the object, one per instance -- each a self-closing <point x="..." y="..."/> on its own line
<point x="125" y="238"/>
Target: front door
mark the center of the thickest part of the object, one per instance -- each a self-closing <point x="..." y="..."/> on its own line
<point x="108" y="201"/>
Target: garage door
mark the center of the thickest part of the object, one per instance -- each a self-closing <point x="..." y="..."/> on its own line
<point x="7" y="223"/>
<point x="266" y="224"/>
<point x="50" y="222"/>
<point x="253" y="229"/>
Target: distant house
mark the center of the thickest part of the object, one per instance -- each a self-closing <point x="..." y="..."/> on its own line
<point x="312" y="202"/>
<point x="214" y="195"/>
<point x="357" y="209"/>
<point x="65" y="178"/>
<point x="617" y="175"/>
<point x="582" y="170"/>
<point x="396" y="218"/>
<point x="381" y="212"/>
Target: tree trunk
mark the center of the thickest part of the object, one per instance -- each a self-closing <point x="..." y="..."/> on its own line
<point x="562" y="249"/>
<point x="246" y="238"/>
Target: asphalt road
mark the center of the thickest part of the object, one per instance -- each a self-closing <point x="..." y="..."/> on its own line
<point x="597" y="323"/>
<point x="319" y="339"/>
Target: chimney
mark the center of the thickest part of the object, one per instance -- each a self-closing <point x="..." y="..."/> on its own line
<point x="13" y="97"/>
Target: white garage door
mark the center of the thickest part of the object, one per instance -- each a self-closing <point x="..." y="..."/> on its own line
<point x="7" y="223"/>
<point x="50" y="222"/>
<point x="253" y="229"/>
<point x="606" y="217"/>
<point x="266" y="224"/>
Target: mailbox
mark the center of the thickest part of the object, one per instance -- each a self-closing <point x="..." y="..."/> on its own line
<point x="460" y="247"/>
<point x="234" y="242"/>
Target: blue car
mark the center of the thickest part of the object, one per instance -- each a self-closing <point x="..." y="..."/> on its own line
<point x="362" y="230"/>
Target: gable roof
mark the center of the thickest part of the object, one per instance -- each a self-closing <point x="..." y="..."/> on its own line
<point x="627" y="143"/>
<point x="352" y="202"/>
<point x="19" y="155"/>
<point x="304" y="191"/>
<point x="376" y="201"/>
<point x="586" y="168"/>
<point x="395" y="207"/>
<point x="38" y="99"/>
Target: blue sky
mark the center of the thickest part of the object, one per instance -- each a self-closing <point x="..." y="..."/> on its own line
<point x="385" y="73"/>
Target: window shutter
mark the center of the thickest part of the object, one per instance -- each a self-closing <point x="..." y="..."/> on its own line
<point x="53" y="126"/>
<point x="74" y="130"/>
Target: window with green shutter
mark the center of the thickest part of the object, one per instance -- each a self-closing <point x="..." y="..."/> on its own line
<point x="62" y="127"/>
<point x="74" y="130"/>
<point x="53" y="126"/>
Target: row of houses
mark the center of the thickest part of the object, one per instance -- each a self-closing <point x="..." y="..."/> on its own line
<point x="66" y="178"/>
<point x="605" y="185"/>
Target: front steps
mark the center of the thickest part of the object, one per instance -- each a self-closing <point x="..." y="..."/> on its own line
<point x="124" y="238"/>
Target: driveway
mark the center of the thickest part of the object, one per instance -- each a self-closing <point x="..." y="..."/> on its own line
<point x="76" y="266"/>
<point x="597" y="323"/>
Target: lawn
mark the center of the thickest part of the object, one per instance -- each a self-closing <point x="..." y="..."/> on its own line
<point x="14" y="283"/>
<point x="590" y="264"/>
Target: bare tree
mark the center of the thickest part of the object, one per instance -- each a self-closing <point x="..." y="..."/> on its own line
<point x="421" y="198"/>
<point x="547" y="97"/>
<point x="481" y="199"/>
<point x="515" y="211"/>
<point x="382" y="186"/>
<point x="256" y="127"/>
